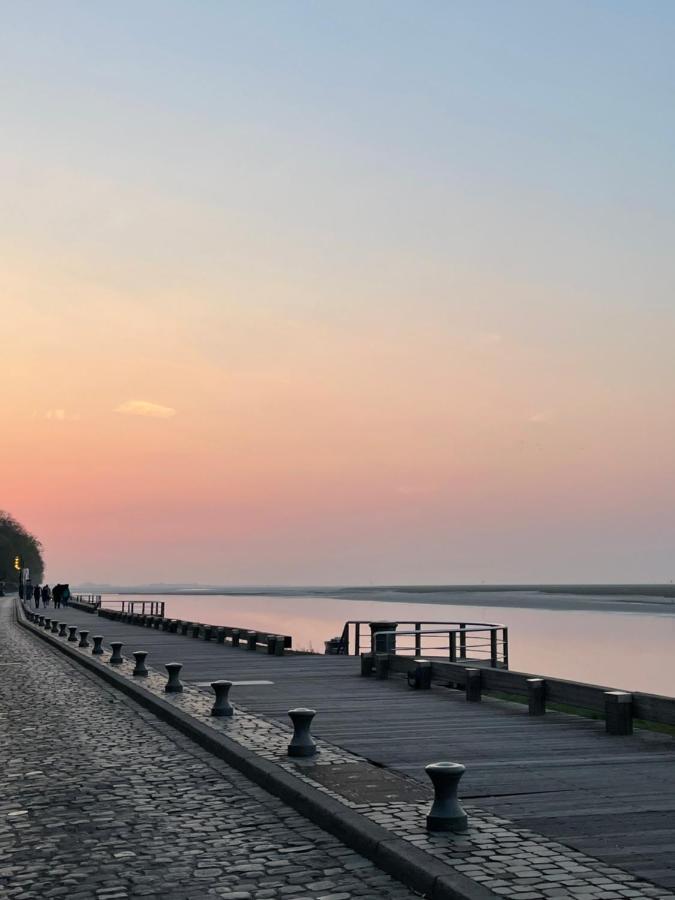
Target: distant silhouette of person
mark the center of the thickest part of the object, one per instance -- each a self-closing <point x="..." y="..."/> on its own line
<point x="65" y="594"/>
<point x="46" y="595"/>
<point x="36" y="594"/>
<point x="27" y="591"/>
<point x="56" y="594"/>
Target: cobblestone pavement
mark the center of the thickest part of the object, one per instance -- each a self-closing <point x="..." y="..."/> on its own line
<point x="510" y="861"/>
<point x="99" y="799"/>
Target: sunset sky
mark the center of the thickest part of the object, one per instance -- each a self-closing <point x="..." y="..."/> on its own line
<point x="339" y="292"/>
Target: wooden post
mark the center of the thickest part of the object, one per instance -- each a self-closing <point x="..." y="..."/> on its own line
<point x="618" y="712"/>
<point x="453" y="646"/>
<point x="382" y="665"/>
<point x="366" y="665"/>
<point x="505" y="647"/>
<point x="462" y="640"/>
<point x="473" y="685"/>
<point x="418" y="639"/>
<point x="357" y="638"/>
<point x="493" y="648"/>
<point x="536" y="696"/>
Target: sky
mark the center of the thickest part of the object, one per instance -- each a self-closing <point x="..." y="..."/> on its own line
<point x="339" y="292"/>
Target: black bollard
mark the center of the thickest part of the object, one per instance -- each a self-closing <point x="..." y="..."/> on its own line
<point x="195" y="630"/>
<point x="302" y="742"/>
<point x="83" y="639"/>
<point x="173" y="627"/>
<point x="271" y="640"/>
<point x="184" y="627"/>
<point x="41" y="621"/>
<point x="97" y="649"/>
<point x="116" y="658"/>
<point x="366" y="664"/>
<point x="235" y="637"/>
<point x="47" y="624"/>
<point x="536" y="696"/>
<point x="173" y="685"/>
<point x="208" y="632"/>
<point x="220" y="635"/>
<point x="446" y="813"/>
<point x="618" y="712"/>
<point x="72" y="632"/>
<point x="62" y="629"/>
<point x="55" y="626"/>
<point x="221" y="706"/>
<point x="251" y="640"/>
<point x="139" y="668"/>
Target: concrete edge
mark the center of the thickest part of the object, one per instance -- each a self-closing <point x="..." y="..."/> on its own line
<point x="397" y="857"/>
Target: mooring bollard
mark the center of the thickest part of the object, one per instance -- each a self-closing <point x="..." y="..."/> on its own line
<point x="251" y="640"/>
<point x="536" y="696"/>
<point x="41" y="621"/>
<point x="472" y="685"/>
<point x="184" y="627"/>
<point x="173" y="627"/>
<point x="173" y="685"/>
<point x="158" y="623"/>
<point x="116" y="658"/>
<point x="222" y="706"/>
<point x="446" y="813"/>
<point x="83" y="639"/>
<point x="366" y="665"/>
<point x="220" y="635"/>
<point x="302" y="742"/>
<point x="97" y="649"/>
<point x="271" y="641"/>
<point x="419" y="677"/>
<point x="55" y="626"/>
<point x="618" y="712"/>
<point x="62" y="629"/>
<point x="139" y="667"/>
<point x="208" y="632"/>
<point x="235" y="637"/>
<point x="382" y="666"/>
<point x="72" y="634"/>
<point x="195" y="630"/>
<point x="279" y="645"/>
<point x="47" y="623"/>
<point x="166" y="624"/>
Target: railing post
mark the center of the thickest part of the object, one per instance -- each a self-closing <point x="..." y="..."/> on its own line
<point x="472" y="685"/>
<point x="462" y="640"/>
<point x="493" y="648"/>
<point x="453" y="646"/>
<point x="357" y="638"/>
<point x="418" y="639"/>
<point x="505" y="647"/>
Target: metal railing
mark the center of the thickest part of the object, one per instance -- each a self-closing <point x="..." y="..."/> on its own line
<point x="143" y="607"/>
<point x="475" y="642"/>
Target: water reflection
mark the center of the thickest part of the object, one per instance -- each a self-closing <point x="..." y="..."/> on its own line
<point x="622" y="650"/>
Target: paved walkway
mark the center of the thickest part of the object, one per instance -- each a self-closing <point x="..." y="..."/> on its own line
<point x="98" y="799"/>
<point x="612" y="798"/>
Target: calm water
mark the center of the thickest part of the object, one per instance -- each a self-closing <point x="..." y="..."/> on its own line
<point x="630" y="651"/>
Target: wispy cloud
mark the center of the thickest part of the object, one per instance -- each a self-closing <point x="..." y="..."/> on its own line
<point x="541" y="418"/>
<point x="61" y="415"/>
<point x="145" y="408"/>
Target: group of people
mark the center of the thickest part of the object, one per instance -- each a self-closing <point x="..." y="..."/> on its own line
<point x="59" y="594"/>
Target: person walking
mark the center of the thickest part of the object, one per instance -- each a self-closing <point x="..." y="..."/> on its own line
<point x="46" y="595"/>
<point x="27" y="591"/>
<point x="65" y="594"/>
<point x="36" y="594"/>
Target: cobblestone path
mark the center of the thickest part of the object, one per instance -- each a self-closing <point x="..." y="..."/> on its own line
<point x="99" y="799"/>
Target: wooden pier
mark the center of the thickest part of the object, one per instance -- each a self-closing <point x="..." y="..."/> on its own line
<point x="559" y="775"/>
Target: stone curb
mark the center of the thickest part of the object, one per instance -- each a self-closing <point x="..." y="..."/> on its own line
<point x="395" y="856"/>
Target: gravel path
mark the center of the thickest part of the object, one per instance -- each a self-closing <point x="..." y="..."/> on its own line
<point x="99" y="799"/>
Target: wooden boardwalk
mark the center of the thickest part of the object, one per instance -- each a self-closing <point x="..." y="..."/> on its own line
<point x="562" y="776"/>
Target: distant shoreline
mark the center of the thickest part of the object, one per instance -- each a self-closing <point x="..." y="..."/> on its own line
<point x="620" y="598"/>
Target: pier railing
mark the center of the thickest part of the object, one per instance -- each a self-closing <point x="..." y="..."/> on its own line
<point x="141" y="607"/>
<point x="476" y="642"/>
